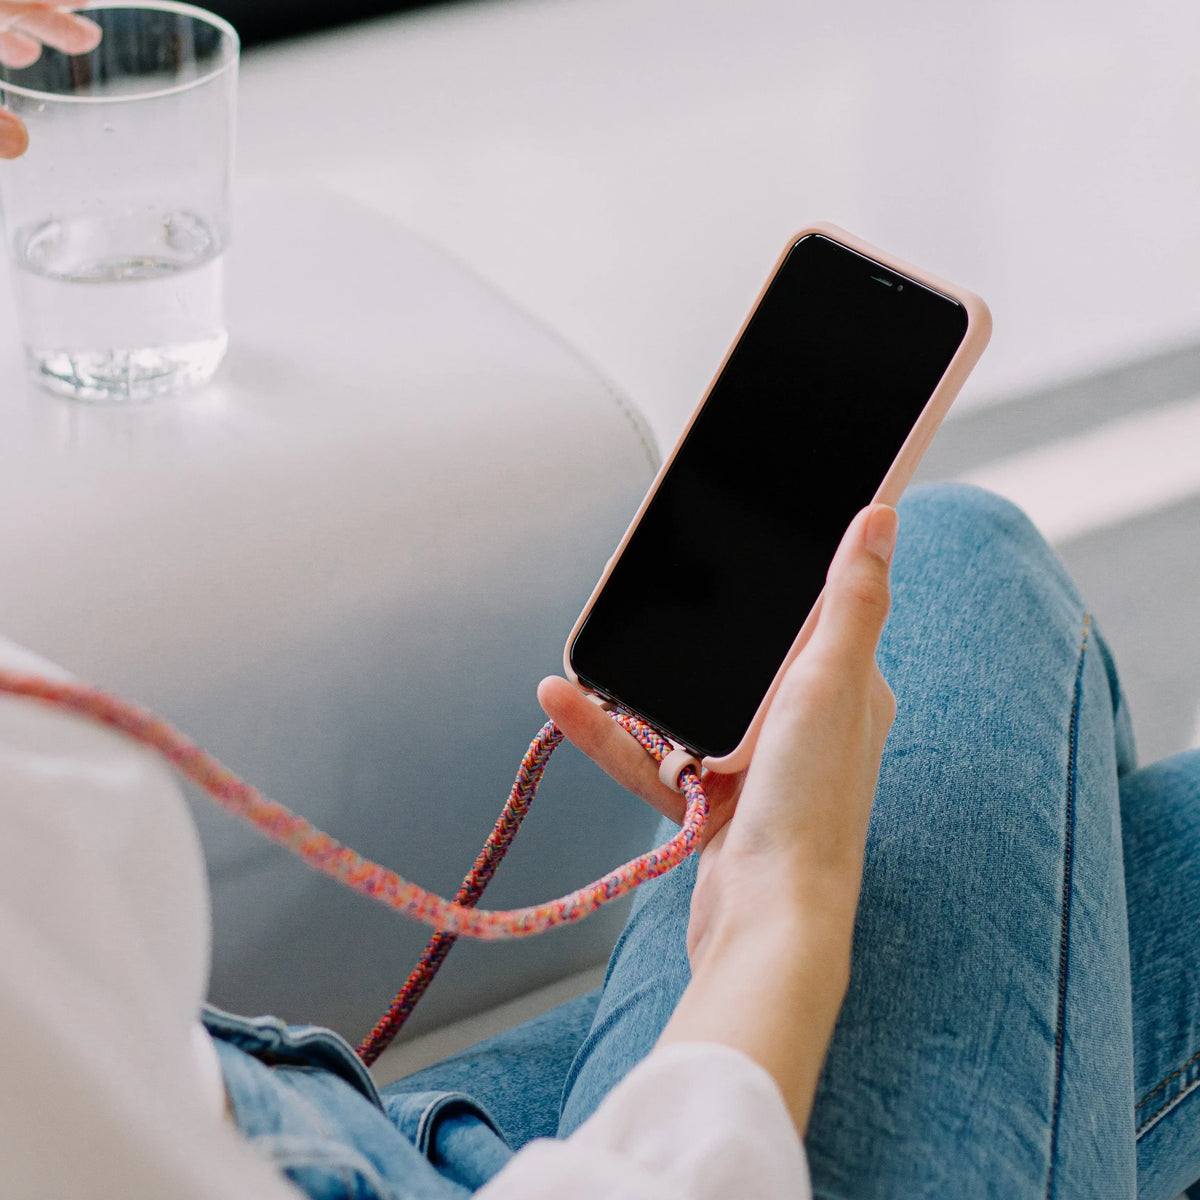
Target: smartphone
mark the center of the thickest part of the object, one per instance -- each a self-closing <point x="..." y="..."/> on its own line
<point x="831" y="393"/>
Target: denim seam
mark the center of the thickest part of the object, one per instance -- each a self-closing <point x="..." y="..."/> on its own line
<point x="1173" y="1075"/>
<point x="1159" y="1113"/>
<point x="1064" y="954"/>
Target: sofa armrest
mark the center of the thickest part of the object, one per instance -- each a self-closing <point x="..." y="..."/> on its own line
<point x="343" y="568"/>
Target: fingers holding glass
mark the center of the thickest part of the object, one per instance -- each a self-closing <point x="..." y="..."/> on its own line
<point x="26" y="27"/>
<point x="30" y="26"/>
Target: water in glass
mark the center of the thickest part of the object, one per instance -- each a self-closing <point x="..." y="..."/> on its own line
<point x="121" y="306"/>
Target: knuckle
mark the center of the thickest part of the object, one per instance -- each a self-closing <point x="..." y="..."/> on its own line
<point x="870" y="592"/>
<point x="883" y="701"/>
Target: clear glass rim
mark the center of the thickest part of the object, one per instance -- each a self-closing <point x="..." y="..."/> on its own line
<point x="169" y="6"/>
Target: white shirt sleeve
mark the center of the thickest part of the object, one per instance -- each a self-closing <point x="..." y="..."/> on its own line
<point x="106" y="1089"/>
<point x="691" y="1122"/>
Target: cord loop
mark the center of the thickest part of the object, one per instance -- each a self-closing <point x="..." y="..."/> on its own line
<point x="671" y="768"/>
<point x="451" y="918"/>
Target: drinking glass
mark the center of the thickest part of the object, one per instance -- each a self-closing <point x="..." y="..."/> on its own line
<point x="116" y="218"/>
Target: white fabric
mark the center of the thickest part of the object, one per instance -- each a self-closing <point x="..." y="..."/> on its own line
<point x="104" y="952"/>
<point x="110" y="1087"/>
<point x="691" y="1122"/>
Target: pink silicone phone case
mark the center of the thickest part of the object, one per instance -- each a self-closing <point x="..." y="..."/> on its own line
<point x="979" y="328"/>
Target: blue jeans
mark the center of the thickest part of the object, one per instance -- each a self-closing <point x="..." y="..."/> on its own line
<point x="1023" y="1018"/>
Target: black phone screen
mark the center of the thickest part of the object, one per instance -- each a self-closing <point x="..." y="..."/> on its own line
<point x="813" y="405"/>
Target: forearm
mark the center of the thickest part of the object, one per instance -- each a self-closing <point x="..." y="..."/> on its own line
<point x="771" y="986"/>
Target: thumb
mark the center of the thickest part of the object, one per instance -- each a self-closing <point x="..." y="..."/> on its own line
<point x="855" y="602"/>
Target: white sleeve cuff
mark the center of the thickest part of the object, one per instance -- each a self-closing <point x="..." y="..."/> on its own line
<point x="693" y="1121"/>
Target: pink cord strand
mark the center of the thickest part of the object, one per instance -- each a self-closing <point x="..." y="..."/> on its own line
<point x="451" y="918"/>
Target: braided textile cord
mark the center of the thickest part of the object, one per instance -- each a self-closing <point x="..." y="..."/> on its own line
<point x="451" y="918"/>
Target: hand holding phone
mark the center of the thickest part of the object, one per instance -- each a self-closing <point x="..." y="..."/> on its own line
<point x="827" y="400"/>
<point x="710" y="623"/>
<point x="772" y="911"/>
<point x="842" y="665"/>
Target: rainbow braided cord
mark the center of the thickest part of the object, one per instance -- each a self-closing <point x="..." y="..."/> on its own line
<point x="451" y="918"/>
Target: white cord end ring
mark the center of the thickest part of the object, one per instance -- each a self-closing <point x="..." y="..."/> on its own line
<point x="674" y="765"/>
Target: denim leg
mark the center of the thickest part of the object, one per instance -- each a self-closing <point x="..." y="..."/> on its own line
<point x="985" y="1043"/>
<point x="985" y="1047"/>
<point x="569" y="1058"/>
<point x="516" y="1076"/>
<point x="1160" y="812"/>
<point x="647" y="973"/>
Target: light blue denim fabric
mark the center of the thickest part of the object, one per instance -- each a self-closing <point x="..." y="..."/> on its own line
<point x="1023" y="1018"/>
<point x="307" y="1103"/>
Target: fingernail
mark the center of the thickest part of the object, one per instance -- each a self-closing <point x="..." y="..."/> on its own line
<point x="881" y="532"/>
